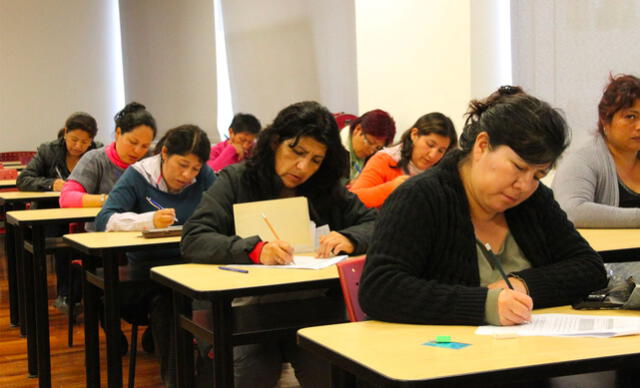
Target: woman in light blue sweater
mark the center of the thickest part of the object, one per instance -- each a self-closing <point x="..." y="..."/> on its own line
<point x="598" y="185"/>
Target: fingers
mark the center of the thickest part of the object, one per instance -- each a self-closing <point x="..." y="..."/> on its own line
<point x="280" y="252"/>
<point x="514" y="307"/>
<point x="332" y="244"/>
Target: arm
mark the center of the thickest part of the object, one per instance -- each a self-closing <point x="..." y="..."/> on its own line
<point x="209" y="235"/>
<point x="374" y="185"/>
<point x="575" y="185"/>
<point x="73" y="194"/>
<point x="407" y="254"/>
<point x="118" y="213"/>
<point x="34" y="176"/>
<point x="227" y="156"/>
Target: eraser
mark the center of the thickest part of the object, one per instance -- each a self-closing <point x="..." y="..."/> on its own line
<point x="443" y="338"/>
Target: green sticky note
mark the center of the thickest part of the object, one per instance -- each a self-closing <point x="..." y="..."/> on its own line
<point x="443" y="338"/>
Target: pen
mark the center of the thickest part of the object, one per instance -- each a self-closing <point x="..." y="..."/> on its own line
<point x="59" y="175"/>
<point x="234" y="269"/>
<point x="158" y="206"/>
<point x="497" y="264"/>
<point x="264" y="217"/>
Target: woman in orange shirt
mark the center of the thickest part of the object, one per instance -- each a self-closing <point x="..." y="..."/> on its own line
<point x="420" y="147"/>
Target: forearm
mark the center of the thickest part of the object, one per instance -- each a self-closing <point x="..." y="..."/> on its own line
<point x="130" y="221"/>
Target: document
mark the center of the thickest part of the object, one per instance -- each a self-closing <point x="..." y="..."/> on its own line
<point x="569" y="325"/>
<point x="302" y="262"/>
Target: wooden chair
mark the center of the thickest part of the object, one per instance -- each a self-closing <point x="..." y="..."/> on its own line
<point x="349" y="272"/>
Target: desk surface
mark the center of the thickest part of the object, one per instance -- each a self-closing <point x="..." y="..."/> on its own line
<point x="396" y="350"/>
<point x="4" y="183"/>
<point x="27" y="195"/>
<point x="611" y="239"/>
<point x="47" y="215"/>
<point x="119" y="240"/>
<point x="208" y="278"/>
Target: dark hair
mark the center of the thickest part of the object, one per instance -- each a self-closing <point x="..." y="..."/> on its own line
<point x="622" y="92"/>
<point x="80" y="120"/>
<point x="132" y="116"/>
<point x="244" y="122"/>
<point x="299" y="120"/>
<point x="434" y="122"/>
<point x="376" y="123"/>
<point x="184" y="140"/>
<point x="533" y="129"/>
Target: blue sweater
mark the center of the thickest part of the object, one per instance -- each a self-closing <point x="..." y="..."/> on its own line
<point x="130" y="193"/>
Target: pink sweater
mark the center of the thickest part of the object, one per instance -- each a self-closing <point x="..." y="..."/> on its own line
<point x="222" y="155"/>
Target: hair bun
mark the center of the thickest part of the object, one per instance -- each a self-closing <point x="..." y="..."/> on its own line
<point x="509" y="90"/>
<point x="131" y="107"/>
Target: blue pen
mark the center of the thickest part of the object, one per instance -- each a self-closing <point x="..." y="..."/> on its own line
<point x="234" y="269"/>
<point x="158" y="206"/>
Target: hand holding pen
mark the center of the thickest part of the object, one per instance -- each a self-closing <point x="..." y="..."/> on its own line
<point x="163" y="217"/>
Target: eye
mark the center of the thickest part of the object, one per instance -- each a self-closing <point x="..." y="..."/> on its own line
<point x="631" y="116"/>
<point x="317" y="160"/>
<point x="297" y="152"/>
<point x="519" y="168"/>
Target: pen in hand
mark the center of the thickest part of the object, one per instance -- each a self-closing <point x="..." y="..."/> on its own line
<point x="158" y="206"/>
<point x="264" y="217"/>
<point x="496" y="264"/>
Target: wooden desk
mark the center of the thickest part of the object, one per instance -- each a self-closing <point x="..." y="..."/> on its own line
<point x="7" y="183"/>
<point x="107" y="245"/>
<point x="234" y="325"/>
<point x="614" y="245"/>
<point x="392" y="355"/>
<point x="31" y="255"/>
<point x="15" y="200"/>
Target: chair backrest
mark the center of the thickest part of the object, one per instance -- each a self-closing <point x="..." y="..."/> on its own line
<point x="6" y="173"/>
<point x="344" y="119"/>
<point x="22" y="156"/>
<point x="349" y="272"/>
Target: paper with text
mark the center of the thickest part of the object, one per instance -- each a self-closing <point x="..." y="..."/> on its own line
<point x="301" y="262"/>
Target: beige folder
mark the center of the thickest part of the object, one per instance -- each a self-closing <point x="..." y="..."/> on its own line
<point x="289" y="217"/>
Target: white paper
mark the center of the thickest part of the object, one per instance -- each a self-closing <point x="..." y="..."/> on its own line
<point x="302" y="262"/>
<point x="569" y="325"/>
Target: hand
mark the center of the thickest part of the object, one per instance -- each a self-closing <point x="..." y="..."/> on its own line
<point x="57" y="185"/>
<point x="276" y="252"/>
<point x="517" y="284"/>
<point x="164" y="217"/>
<point x="397" y="181"/>
<point x="239" y="150"/>
<point x="514" y="307"/>
<point x="333" y="243"/>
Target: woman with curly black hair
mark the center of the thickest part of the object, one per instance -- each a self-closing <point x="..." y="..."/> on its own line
<point x="300" y="154"/>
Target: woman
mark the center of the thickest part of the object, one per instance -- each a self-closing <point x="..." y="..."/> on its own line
<point x="420" y="147"/>
<point x="174" y="178"/>
<point x="298" y="155"/>
<point x="98" y="170"/>
<point x="428" y="263"/>
<point x="367" y="134"/>
<point x="599" y="184"/>
<point x="49" y="169"/>
<point x="55" y="160"/>
<point x="242" y="135"/>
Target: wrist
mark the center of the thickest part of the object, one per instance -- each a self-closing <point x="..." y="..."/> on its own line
<point x="521" y="281"/>
<point x="103" y="198"/>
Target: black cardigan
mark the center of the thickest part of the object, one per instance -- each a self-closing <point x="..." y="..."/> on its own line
<point x="209" y="235"/>
<point x="422" y="265"/>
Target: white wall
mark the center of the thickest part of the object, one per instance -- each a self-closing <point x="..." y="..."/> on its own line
<point x="169" y="61"/>
<point x="413" y="58"/>
<point x="56" y="57"/>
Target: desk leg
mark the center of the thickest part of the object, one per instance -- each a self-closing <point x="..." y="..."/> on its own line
<point x="112" y="319"/>
<point x="41" y="305"/>
<point x="91" y="329"/>
<point x="184" y="342"/>
<point x="222" y="342"/>
<point x="341" y="378"/>
<point x="28" y="301"/>
<point x="10" y="252"/>
<point x="22" y="285"/>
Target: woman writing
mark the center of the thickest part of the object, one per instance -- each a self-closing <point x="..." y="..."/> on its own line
<point x="429" y="261"/>
<point x="420" y="147"/>
<point x="299" y="154"/>
<point x="599" y="184"/>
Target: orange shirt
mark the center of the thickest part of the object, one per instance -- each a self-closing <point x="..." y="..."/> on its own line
<point x="375" y="182"/>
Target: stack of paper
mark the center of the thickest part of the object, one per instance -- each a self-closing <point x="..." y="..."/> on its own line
<point x="569" y="325"/>
<point x="304" y="262"/>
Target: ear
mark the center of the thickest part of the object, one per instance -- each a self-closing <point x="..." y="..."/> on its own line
<point x="231" y="133"/>
<point x="357" y="130"/>
<point x="481" y="146"/>
<point x="118" y="131"/>
<point x="414" y="135"/>
<point x="164" y="153"/>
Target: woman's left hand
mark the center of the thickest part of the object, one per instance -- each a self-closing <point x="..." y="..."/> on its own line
<point x="332" y="244"/>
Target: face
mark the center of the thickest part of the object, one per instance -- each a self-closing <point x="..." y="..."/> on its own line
<point x="133" y="145"/>
<point x="427" y="149"/>
<point x="245" y="139"/>
<point x="499" y="178"/>
<point x="179" y="170"/>
<point x="77" y="141"/>
<point x="365" y="145"/>
<point x="623" y="132"/>
<point x="296" y="164"/>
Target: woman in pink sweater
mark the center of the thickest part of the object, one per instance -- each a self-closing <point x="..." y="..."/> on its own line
<point x="420" y="147"/>
<point x="242" y="134"/>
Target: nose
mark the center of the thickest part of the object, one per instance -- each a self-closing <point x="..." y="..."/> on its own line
<point x="525" y="182"/>
<point x="303" y="163"/>
<point x="433" y="154"/>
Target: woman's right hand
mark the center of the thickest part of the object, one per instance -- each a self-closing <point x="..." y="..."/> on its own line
<point x="276" y="252"/>
<point x="164" y="217"/>
<point x="514" y="308"/>
<point x="397" y="181"/>
<point x="57" y="185"/>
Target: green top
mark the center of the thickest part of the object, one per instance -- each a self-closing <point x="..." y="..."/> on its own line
<point x="355" y="163"/>
<point x="512" y="260"/>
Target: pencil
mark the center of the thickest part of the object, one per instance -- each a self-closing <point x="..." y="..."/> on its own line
<point x="264" y="217"/>
<point x="496" y="263"/>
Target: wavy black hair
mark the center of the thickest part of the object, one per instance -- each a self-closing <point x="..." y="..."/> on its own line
<point x="80" y="120"/>
<point x="184" y="140"/>
<point x="132" y="116"/>
<point x="303" y="119"/>
<point x="531" y="127"/>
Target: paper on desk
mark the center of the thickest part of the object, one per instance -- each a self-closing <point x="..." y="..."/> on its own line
<point x="303" y="262"/>
<point x="569" y="325"/>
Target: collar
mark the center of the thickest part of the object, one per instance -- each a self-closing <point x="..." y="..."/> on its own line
<point x="113" y="156"/>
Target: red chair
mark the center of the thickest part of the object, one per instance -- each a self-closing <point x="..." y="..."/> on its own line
<point x="23" y="156"/>
<point x="349" y="272"/>
<point x="344" y="119"/>
<point x="6" y="173"/>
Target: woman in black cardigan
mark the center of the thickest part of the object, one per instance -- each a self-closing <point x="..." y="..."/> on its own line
<point x="428" y="262"/>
